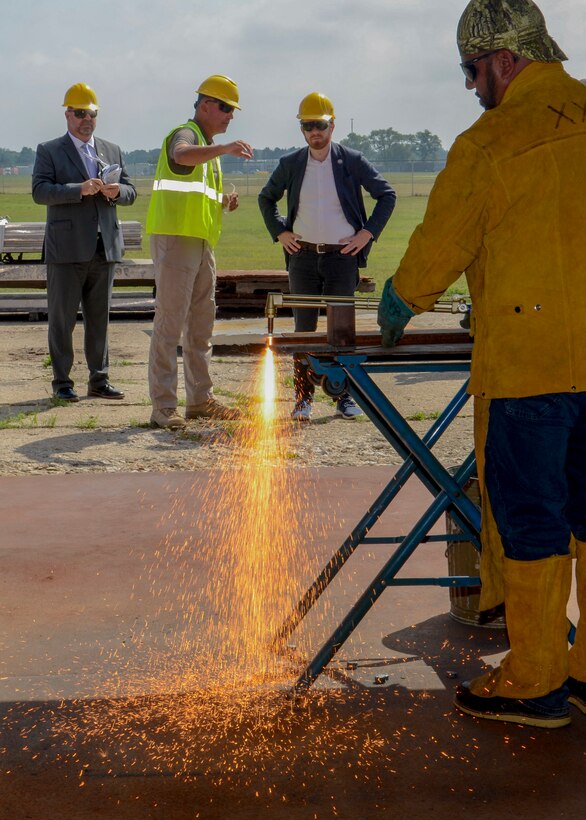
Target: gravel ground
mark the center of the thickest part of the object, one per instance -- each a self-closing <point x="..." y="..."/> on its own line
<point x="94" y="435"/>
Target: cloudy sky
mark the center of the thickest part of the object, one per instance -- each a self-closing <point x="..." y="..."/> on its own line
<point x="384" y="63"/>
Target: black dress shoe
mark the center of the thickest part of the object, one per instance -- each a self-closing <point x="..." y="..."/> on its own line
<point x="105" y="391"/>
<point x="66" y="394"/>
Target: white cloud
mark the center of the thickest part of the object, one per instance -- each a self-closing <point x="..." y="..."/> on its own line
<point x="386" y="63"/>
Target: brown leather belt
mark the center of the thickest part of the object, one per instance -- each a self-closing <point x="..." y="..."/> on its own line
<point x="320" y="248"/>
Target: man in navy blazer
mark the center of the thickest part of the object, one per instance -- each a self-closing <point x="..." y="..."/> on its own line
<point x="326" y="233"/>
<point x="83" y="239"/>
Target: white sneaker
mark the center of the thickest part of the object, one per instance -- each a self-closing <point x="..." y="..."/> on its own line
<point x="302" y="410"/>
<point x="167" y="417"/>
<point x="347" y="408"/>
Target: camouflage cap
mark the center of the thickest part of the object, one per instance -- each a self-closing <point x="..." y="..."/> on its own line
<point x="517" y="25"/>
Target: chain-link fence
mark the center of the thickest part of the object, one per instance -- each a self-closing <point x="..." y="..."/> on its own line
<point x="408" y="178"/>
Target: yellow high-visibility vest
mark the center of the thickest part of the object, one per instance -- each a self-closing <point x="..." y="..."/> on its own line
<point x="186" y="204"/>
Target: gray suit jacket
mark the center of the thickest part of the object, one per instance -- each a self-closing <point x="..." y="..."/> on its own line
<point x="72" y="220"/>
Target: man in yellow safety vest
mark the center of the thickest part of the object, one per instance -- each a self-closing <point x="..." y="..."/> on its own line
<point x="184" y="221"/>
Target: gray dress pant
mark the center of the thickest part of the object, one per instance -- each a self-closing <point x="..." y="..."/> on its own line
<point x="68" y="285"/>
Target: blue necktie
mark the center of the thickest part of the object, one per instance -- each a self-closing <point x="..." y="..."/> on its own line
<point x="89" y="160"/>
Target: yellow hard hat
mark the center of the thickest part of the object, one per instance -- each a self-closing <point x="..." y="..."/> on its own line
<point x="316" y="106"/>
<point x="81" y="95"/>
<point x="221" y="88"/>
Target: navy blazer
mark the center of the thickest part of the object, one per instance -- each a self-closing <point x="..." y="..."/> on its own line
<point x="352" y="172"/>
<point x="72" y="220"/>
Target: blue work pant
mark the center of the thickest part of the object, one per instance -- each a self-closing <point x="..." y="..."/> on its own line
<point x="536" y="473"/>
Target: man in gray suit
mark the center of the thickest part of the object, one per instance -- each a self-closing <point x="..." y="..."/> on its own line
<point x="83" y="239"/>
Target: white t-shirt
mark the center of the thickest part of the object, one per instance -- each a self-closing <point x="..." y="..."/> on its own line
<point x="320" y="217"/>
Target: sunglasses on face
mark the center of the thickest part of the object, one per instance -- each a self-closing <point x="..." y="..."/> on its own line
<point x="224" y="107"/>
<point x="469" y="67"/>
<point x="82" y="113"/>
<point x="317" y="125"/>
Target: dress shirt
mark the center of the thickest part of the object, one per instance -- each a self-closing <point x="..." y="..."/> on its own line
<point x="88" y="153"/>
<point x="320" y="218"/>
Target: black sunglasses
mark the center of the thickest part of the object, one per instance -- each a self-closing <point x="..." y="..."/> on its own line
<point x="315" y="125"/>
<point x="469" y="67"/>
<point x="81" y="113"/>
<point x="224" y="107"/>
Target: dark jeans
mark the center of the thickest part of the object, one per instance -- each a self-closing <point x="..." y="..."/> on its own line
<point x="67" y="285"/>
<point x="536" y="473"/>
<point x="313" y="274"/>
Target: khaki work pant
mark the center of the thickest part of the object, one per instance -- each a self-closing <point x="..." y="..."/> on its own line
<point x="185" y="276"/>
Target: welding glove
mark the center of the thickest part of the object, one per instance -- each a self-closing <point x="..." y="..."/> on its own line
<point x="393" y="315"/>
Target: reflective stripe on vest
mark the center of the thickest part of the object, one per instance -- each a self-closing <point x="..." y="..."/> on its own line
<point x="187" y="187"/>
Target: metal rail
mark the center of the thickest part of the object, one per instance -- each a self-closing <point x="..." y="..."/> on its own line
<point x="276" y="301"/>
<point x="358" y="535"/>
<point x="351" y="373"/>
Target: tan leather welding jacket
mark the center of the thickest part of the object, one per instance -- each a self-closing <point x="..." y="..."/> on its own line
<point x="510" y="210"/>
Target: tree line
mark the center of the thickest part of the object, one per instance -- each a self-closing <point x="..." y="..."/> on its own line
<point x="8" y="158"/>
<point x="388" y="145"/>
<point x="382" y="145"/>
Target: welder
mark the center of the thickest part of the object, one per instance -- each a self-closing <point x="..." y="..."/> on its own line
<point x="508" y="210"/>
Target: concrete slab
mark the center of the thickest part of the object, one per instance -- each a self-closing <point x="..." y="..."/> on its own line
<point x="90" y="595"/>
<point x="77" y="550"/>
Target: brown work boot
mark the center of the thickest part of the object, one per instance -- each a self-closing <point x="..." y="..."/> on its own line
<point x="167" y="417"/>
<point x="212" y="409"/>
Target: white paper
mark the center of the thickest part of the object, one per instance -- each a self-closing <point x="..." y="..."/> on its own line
<point x="111" y="174"/>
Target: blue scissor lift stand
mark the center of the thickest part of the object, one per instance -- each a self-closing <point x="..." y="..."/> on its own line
<point x="353" y="373"/>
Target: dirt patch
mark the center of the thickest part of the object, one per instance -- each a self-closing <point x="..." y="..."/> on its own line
<point x="100" y="436"/>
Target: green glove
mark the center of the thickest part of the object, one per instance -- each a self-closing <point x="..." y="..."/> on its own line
<point x="393" y="315"/>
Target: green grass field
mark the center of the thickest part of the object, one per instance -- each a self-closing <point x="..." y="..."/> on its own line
<point x="245" y="243"/>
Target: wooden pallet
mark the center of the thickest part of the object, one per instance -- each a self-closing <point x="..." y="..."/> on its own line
<point x="243" y="286"/>
<point x="235" y="289"/>
<point x="19" y="238"/>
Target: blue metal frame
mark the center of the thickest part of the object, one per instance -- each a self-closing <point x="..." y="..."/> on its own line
<point x="352" y="373"/>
